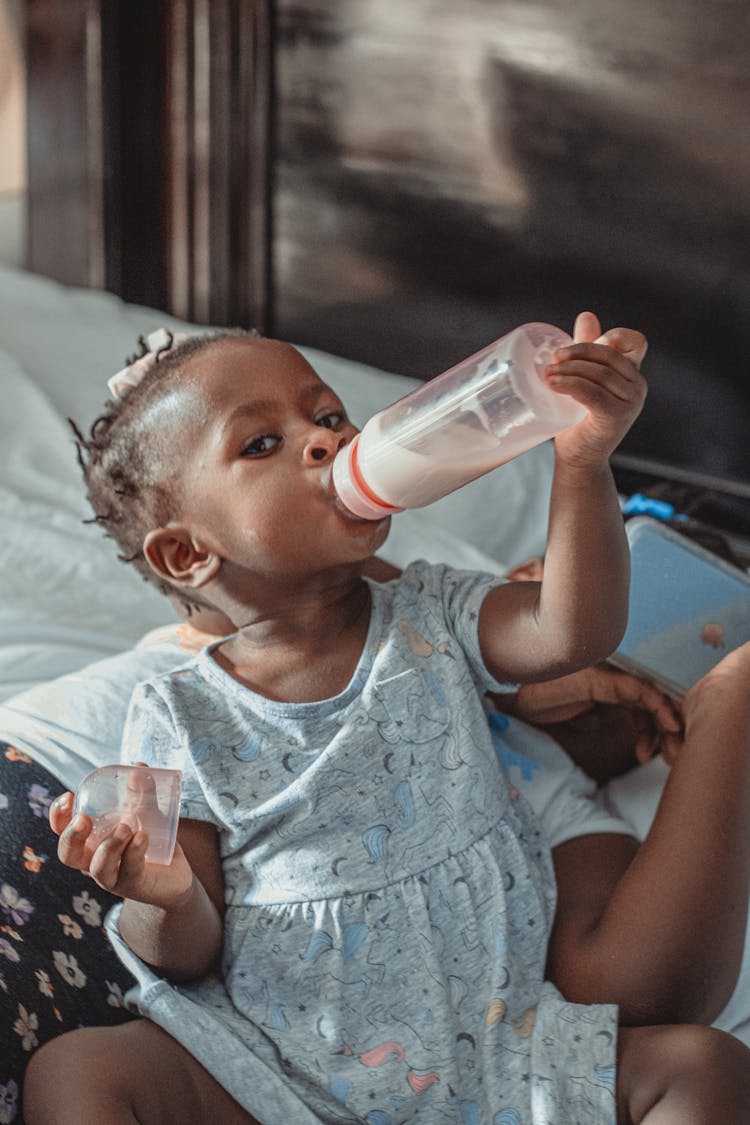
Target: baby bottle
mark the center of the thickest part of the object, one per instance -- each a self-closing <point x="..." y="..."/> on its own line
<point x="479" y="414"/>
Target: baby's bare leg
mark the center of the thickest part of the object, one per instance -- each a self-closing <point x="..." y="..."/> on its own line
<point x="682" y="1075"/>
<point x="133" y="1072"/>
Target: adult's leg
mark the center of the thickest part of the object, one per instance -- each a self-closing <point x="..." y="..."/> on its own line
<point x="135" y="1072"/>
<point x="682" y="1075"/>
<point x="57" y="968"/>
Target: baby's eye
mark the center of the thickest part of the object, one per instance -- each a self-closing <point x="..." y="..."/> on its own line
<point x="261" y="445"/>
<point x="331" y="420"/>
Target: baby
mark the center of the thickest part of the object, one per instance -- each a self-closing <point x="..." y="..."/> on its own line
<point x="355" y="923"/>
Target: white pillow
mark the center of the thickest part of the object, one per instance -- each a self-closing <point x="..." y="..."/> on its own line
<point x="64" y="597"/>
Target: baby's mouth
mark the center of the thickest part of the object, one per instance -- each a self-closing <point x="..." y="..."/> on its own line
<point x="326" y="483"/>
<point x="326" y="479"/>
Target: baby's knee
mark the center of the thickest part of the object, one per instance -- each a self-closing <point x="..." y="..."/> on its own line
<point x="51" y="1072"/>
<point x="703" y="1072"/>
<point x="701" y="1050"/>
<point x="60" y="1072"/>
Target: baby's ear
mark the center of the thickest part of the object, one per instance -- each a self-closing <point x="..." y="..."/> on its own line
<point x="177" y="556"/>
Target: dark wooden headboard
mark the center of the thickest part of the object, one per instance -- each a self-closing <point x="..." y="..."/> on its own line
<point x="401" y="182"/>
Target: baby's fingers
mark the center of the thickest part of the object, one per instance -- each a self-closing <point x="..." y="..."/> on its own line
<point x="587" y="328"/>
<point x="141" y="792"/>
<point x="119" y="858"/>
<point x="60" y="813"/>
<point x="71" y="847"/>
<point x="628" y="342"/>
<point x="597" y="358"/>
<point x="596" y="386"/>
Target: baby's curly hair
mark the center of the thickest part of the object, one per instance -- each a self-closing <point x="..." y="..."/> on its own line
<point x="126" y="493"/>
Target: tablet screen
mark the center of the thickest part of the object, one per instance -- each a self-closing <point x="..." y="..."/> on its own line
<point x="688" y="608"/>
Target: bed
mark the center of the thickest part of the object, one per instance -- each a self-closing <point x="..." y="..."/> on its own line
<point x="244" y="179"/>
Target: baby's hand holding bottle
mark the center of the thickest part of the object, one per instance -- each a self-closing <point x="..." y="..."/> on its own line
<point x="601" y="371"/>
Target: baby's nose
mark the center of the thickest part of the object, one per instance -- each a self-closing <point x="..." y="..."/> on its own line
<point x="322" y="446"/>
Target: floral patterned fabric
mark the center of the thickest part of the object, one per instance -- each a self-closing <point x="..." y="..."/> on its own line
<point x="57" y="968"/>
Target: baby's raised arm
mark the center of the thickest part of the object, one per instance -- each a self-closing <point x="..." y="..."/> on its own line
<point x="577" y="614"/>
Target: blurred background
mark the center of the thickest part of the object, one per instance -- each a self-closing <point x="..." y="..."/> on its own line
<point x="12" y="136"/>
<point x="400" y="183"/>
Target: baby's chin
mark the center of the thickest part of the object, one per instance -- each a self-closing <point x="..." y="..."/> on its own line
<point x="359" y="524"/>
<point x="381" y="531"/>
<point x="369" y="535"/>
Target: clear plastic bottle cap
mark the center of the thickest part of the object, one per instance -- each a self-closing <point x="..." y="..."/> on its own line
<point x="146" y="799"/>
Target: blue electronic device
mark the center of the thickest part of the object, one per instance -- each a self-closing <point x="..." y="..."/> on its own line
<point x="688" y="608"/>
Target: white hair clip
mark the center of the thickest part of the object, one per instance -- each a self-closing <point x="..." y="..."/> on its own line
<point x="159" y="341"/>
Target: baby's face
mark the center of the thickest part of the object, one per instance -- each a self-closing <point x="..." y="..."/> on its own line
<point x="257" y="443"/>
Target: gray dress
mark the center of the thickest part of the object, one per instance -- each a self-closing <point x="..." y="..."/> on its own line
<point x="389" y="893"/>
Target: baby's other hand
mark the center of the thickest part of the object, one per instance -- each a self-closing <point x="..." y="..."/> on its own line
<point x="116" y="862"/>
<point x="601" y="371"/>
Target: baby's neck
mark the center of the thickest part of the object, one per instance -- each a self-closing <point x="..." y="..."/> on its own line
<point x="305" y="651"/>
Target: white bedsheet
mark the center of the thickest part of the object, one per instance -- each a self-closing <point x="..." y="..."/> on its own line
<point x="62" y="601"/>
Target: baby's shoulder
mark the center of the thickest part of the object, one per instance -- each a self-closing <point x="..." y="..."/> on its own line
<point x="423" y="580"/>
<point x="438" y="587"/>
<point x="173" y="684"/>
